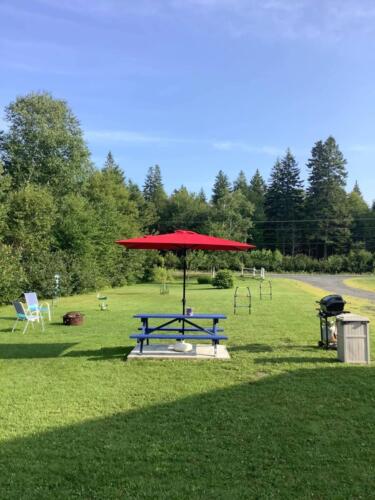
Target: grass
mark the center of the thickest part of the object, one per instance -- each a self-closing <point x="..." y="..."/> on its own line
<point x="281" y="419"/>
<point x="363" y="282"/>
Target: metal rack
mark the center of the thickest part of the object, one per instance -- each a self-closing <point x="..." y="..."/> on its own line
<point x="265" y="289"/>
<point x="238" y="298"/>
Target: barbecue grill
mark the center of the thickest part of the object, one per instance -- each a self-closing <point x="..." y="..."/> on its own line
<point x="329" y="306"/>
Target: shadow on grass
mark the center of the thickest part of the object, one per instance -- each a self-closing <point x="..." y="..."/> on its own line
<point x="33" y="351"/>
<point x="264" y="439"/>
<point x="295" y="359"/>
<point x="251" y="348"/>
<point x="105" y="353"/>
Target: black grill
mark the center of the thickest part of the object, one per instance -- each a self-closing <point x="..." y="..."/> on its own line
<point x="330" y="306"/>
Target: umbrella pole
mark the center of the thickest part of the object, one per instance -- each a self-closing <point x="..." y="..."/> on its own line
<point x="184" y="285"/>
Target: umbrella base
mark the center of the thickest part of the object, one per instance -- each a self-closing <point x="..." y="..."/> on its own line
<point x="182" y="346"/>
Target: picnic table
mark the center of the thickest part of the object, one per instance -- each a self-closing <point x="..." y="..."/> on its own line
<point x="179" y="327"/>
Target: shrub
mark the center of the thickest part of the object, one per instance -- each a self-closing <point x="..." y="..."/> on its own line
<point x="223" y="279"/>
<point x="204" y="280"/>
<point x="360" y="261"/>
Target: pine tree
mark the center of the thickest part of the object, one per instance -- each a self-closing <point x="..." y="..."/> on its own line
<point x="327" y="205"/>
<point x="240" y="184"/>
<point x="360" y="213"/>
<point x="221" y="187"/>
<point x="256" y="194"/>
<point x="284" y="204"/>
<point x="113" y="169"/>
<point x="153" y="189"/>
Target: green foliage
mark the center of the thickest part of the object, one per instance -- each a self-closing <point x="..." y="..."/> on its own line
<point x="44" y="144"/>
<point x="326" y="204"/>
<point x="204" y="280"/>
<point x="221" y="188"/>
<point x="284" y="205"/>
<point x="12" y="276"/>
<point x="360" y="261"/>
<point x="223" y="279"/>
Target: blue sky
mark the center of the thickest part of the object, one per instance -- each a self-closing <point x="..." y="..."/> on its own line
<point x="201" y="85"/>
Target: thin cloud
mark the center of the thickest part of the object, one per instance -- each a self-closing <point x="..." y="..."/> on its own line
<point x="248" y="148"/>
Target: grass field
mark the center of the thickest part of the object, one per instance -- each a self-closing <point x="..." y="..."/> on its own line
<point x="281" y="419"/>
<point x="363" y="282"/>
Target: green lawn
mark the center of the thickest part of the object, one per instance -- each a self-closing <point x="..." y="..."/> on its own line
<point x="364" y="282"/>
<point x="281" y="419"/>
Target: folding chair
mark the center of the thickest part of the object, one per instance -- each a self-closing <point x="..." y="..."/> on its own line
<point x="29" y="317"/>
<point x="33" y="304"/>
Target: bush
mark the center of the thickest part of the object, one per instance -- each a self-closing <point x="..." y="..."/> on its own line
<point x="204" y="280"/>
<point x="360" y="261"/>
<point x="223" y="279"/>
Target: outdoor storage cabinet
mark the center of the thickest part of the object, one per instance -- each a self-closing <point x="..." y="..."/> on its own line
<point x="353" y="338"/>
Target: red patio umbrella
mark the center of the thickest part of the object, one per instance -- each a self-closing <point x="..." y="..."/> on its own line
<point x="184" y="241"/>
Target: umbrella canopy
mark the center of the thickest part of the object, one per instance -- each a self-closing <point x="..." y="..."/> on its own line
<point x="184" y="240"/>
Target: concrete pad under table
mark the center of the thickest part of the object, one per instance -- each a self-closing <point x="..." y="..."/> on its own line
<point x="165" y="351"/>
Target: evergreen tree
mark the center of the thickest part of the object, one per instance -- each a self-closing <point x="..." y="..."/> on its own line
<point x="360" y="214"/>
<point x="153" y="189"/>
<point x="44" y="144"/>
<point x="284" y="205"/>
<point x="185" y="210"/>
<point x="327" y="205"/>
<point x="111" y="168"/>
<point x="221" y="187"/>
<point x="240" y="184"/>
<point x="256" y="194"/>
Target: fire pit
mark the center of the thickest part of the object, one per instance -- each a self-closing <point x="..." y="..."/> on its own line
<point x="73" y="318"/>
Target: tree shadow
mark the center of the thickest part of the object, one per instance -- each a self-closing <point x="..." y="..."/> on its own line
<point x="295" y="359"/>
<point x="269" y="438"/>
<point x="251" y="348"/>
<point x="33" y="351"/>
<point x="102" y="354"/>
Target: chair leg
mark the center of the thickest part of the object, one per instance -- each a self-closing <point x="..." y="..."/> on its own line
<point x="27" y="324"/>
<point x="42" y="322"/>
<point x="14" y="326"/>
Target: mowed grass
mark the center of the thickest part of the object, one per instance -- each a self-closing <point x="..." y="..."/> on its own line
<point x="281" y="419"/>
<point x="363" y="282"/>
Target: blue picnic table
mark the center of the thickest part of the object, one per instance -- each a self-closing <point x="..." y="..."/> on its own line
<point x="179" y="327"/>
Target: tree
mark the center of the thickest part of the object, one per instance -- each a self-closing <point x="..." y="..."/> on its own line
<point x="284" y="205"/>
<point x="44" y="144"/>
<point x="360" y="214"/>
<point x="154" y="194"/>
<point x="221" y="187"/>
<point x="111" y="168"/>
<point x="5" y="183"/>
<point x="30" y="219"/>
<point x="240" y="184"/>
<point x="327" y="208"/>
<point x="256" y="194"/>
<point x="185" y="210"/>
<point x="153" y="189"/>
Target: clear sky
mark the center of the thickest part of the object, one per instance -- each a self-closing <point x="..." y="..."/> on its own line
<point x="201" y="85"/>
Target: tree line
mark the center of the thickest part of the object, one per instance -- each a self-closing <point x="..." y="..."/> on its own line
<point x="61" y="214"/>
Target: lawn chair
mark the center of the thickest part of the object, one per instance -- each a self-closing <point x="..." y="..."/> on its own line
<point x="33" y="304"/>
<point x="29" y="317"/>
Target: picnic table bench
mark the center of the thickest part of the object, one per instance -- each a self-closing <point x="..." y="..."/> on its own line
<point x="193" y="331"/>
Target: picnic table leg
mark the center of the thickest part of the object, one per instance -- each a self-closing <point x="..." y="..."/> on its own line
<point x="141" y="347"/>
<point x="145" y="328"/>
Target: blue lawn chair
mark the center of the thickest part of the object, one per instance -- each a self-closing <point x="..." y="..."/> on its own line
<point x="33" y="304"/>
<point x="29" y="317"/>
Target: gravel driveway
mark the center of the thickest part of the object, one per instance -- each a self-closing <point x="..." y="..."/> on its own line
<point x="333" y="283"/>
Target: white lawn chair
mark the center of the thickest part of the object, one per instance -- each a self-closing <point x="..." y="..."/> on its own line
<point x="29" y="317"/>
<point x="33" y="304"/>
